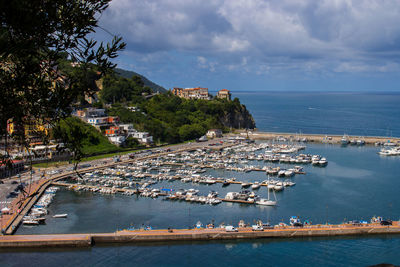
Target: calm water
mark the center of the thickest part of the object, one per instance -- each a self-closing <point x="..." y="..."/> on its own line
<point x="356" y="184"/>
<point x="375" y="114"/>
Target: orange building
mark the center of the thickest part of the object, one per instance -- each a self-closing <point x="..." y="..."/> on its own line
<point x="192" y="93"/>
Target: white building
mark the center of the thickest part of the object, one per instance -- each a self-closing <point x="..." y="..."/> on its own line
<point x="212" y="133"/>
<point x="143" y="137"/>
<point x="128" y="128"/>
<point x="97" y="120"/>
<point x="117" y="139"/>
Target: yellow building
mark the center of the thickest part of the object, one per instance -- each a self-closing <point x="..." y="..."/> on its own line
<point x="32" y="129"/>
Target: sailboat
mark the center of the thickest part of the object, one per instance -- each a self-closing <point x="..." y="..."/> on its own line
<point x="268" y="201"/>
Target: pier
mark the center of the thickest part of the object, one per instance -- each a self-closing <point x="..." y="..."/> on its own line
<point x="204" y="234"/>
<point x="320" y="138"/>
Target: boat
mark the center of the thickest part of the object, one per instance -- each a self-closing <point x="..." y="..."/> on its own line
<point x="64" y="215"/>
<point x="267" y="201"/>
<point x="245" y="185"/>
<point x="360" y="142"/>
<point x="278" y="187"/>
<point x="226" y="183"/>
<point x="323" y="162"/>
<point x="255" y="186"/>
<point x="345" y="140"/>
<point x="30" y="222"/>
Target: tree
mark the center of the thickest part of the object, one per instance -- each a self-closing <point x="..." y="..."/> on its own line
<point x="36" y="39"/>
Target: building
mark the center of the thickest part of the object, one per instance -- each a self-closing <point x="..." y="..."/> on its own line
<point x="113" y="130"/>
<point x="16" y="167"/>
<point x="34" y="130"/>
<point x="224" y="94"/>
<point x="214" y="133"/>
<point x="117" y="139"/>
<point x="95" y="112"/>
<point x="46" y="152"/>
<point x="192" y="93"/>
<point x="102" y="121"/>
<point x="143" y="137"/>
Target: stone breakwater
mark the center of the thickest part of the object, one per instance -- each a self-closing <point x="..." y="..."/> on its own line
<point x="141" y="236"/>
<point x="318" y="138"/>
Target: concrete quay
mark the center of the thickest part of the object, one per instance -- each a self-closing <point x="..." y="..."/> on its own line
<point x="142" y="236"/>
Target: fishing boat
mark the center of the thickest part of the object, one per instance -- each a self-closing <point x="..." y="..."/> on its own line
<point x="64" y="215"/>
<point x="345" y="140"/>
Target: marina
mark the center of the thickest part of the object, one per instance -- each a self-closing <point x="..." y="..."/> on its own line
<point x="181" y="198"/>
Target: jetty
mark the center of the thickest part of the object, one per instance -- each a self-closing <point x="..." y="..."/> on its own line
<point x="202" y="234"/>
<point x="318" y="138"/>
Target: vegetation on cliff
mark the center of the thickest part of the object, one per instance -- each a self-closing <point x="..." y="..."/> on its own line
<point x="172" y="119"/>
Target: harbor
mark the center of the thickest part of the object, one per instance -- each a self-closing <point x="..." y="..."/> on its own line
<point x="193" y="177"/>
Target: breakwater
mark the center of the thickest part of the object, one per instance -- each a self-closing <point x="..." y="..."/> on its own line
<point x="165" y="235"/>
<point x="318" y="138"/>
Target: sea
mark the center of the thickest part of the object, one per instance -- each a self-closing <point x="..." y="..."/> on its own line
<point x="356" y="184"/>
<point x="338" y="113"/>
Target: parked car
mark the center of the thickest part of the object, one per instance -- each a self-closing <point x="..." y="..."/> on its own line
<point x="230" y="228"/>
<point x="386" y="222"/>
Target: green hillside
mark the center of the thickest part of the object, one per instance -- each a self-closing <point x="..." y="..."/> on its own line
<point x="128" y="74"/>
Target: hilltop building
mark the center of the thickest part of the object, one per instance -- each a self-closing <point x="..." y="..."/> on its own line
<point x="192" y="93"/>
<point x="224" y="94"/>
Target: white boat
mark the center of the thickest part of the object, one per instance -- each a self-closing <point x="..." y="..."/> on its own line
<point x="323" y="162"/>
<point x="30" y="222"/>
<point x="255" y="186"/>
<point x="64" y="215"/>
<point x="289" y="173"/>
<point x="268" y="201"/>
<point x="278" y="186"/>
<point x="245" y="185"/>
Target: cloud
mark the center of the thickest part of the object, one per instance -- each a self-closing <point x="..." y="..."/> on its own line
<point x="338" y="35"/>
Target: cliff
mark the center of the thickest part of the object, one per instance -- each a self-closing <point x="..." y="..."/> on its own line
<point x="237" y="116"/>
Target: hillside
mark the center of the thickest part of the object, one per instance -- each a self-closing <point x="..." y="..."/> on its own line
<point x="83" y="136"/>
<point x="128" y="74"/>
<point x="172" y="119"/>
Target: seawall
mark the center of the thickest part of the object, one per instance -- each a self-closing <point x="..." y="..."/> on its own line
<point x="136" y="237"/>
<point x="319" y="138"/>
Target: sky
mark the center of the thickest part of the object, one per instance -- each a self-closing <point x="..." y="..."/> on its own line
<point x="260" y="45"/>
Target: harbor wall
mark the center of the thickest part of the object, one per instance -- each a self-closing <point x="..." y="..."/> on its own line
<point x="136" y="237"/>
<point x="320" y="138"/>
